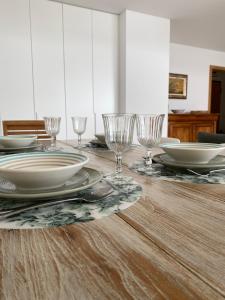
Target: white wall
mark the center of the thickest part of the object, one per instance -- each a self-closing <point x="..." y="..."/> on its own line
<point x="78" y="66"/>
<point x="145" y="49"/>
<point x="16" y="86"/>
<point x="195" y="63"/>
<point x="105" y="65"/>
<point x="48" y="68"/>
<point x="57" y="59"/>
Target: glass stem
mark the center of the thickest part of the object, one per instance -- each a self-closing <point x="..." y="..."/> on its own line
<point x="118" y="164"/>
<point x="79" y="140"/>
<point x="148" y="159"/>
<point x="53" y="143"/>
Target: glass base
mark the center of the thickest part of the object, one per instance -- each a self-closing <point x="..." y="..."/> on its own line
<point x="53" y="149"/>
<point x="140" y="167"/>
<point x="118" y="178"/>
<point x="79" y="147"/>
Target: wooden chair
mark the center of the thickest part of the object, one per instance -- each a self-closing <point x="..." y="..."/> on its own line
<point x="16" y="127"/>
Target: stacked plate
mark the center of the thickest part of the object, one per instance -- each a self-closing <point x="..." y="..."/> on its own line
<point x="192" y="155"/>
<point x="45" y="174"/>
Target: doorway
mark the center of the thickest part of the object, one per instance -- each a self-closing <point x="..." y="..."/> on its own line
<point x="217" y="95"/>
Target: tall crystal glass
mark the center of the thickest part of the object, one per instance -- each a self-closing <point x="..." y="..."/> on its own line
<point x="119" y="129"/>
<point x="79" y="127"/>
<point x="52" y="127"/>
<point x="149" y="133"/>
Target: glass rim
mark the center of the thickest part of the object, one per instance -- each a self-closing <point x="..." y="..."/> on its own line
<point x="81" y="117"/>
<point x="117" y="114"/>
<point x="51" y="117"/>
<point x="151" y="115"/>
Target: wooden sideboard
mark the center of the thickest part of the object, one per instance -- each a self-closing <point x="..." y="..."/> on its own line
<point x="186" y="126"/>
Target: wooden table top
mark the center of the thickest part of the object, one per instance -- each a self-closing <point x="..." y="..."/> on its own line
<point x="169" y="245"/>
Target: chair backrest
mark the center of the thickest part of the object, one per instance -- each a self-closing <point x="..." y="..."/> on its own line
<point x="15" y="127"/>
<point x="206" y="137"/>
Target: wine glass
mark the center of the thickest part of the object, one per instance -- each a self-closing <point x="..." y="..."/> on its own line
<point x="149" y="133"/>
<point x="79" y="127"/>
<point x="52" y="127"/>
<point x="119" y="129"/>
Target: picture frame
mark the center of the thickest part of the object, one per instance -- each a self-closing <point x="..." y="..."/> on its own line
<point x="178" y="86"/>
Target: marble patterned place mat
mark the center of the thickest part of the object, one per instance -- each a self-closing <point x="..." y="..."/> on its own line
<point x="180" y="175"/>
<point x="124" y="195"/>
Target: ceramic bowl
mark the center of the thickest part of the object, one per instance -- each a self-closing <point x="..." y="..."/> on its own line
<point x="193" y="152"/>
<point x="16" y="141"/>
<point x="41" y="170"/>
<point x="178" y="111"/>
<point x="101" y="138"/>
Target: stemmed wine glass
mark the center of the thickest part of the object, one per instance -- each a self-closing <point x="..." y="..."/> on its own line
<point x="79" y="127"/>
<point x="119" y="129"/>
<point x="149" y="133"/>
<point x="52" y="127"/>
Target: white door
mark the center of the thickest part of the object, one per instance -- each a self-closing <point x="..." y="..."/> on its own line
<point x="48" y="61"/>
<point x="16" y="87"/>
<point x="105" y="65"/>
<point x="78" y="66"/>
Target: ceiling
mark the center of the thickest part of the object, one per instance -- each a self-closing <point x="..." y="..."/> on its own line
<point x="199" y="23"/>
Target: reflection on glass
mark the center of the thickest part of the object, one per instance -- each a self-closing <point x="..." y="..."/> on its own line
<point x="149" y="133"/>
<point x="119" y="129"/>
<point x="52" y="127"/>
<point x="79" y="127"/>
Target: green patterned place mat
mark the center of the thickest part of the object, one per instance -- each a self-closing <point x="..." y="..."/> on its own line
<point x="181" y="175"/>
<point x="124" y="195"/>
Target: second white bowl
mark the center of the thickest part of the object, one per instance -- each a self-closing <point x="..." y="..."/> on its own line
<point x="193" y="152"/>
<point x="16" y="141"/>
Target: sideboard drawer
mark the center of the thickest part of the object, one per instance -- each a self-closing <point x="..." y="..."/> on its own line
<point x="186" y="126"/>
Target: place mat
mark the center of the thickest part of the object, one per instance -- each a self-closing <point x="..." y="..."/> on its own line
<point x="124" y="195"/>
<point x="181" y="175"/>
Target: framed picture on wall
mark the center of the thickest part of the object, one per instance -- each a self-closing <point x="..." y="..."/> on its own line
<point x="178" y="86"/>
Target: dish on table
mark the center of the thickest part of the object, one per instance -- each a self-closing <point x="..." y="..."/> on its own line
<point x="98" y="144"/>
<point x="101" y="138"/>
<point x="178" y="111"/>
<point x="199" y="153"/>
<point x="15" y="141"/>
<point x="215" y="164"/>
<point x="82" y="180"/>
<point x="41" y="170"/>
<point x="19" y="149"/>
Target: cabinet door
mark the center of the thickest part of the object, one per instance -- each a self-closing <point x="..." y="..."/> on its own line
<point x="48" y="67"/>
<point x="78" y="66"/>
<point x="105" y="65"/>
<point x="16" y="87"/>
<point x="181" y="131"/>
<point x="203" y="127"/>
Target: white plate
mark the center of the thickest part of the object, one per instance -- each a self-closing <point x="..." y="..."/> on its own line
<point x="19" y="149"/>
<point x="84" y="179"/>
<point x="199" y="153"/>
<point x="217" y="163"/>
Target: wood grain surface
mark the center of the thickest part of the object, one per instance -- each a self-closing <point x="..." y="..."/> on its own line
<point x="169" y="245"/>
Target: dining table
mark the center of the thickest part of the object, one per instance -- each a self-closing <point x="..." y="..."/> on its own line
<point x="170" y="244"/>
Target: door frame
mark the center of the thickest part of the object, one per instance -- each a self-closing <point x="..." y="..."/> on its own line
<point x="211" y="69"/>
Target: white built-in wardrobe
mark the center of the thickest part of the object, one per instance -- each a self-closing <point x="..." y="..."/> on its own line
<point x="57" y="60"/>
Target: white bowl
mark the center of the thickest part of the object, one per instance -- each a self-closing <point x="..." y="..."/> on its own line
<point x="41" y="170"/>
<point x="178" y="111"/>
<point x="193" y="152"/>
<point x="101" y="137"/>
<point x="16" y="141"/>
